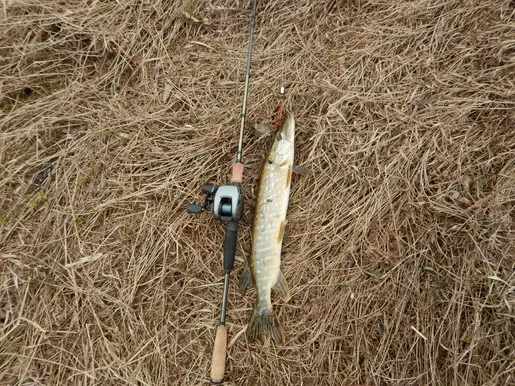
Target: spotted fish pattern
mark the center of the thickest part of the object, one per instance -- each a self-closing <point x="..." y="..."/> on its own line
<point x="263" y="268"/>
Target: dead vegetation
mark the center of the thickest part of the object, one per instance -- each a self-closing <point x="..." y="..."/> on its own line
<point x="400" y="251"/>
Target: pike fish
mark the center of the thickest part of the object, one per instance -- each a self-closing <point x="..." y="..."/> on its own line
<point x="263" y="267"/>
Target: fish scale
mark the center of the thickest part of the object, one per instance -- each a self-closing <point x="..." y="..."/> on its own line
<point x="263" y="268"/>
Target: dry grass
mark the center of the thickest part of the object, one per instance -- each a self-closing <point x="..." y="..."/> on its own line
<point x="401" y="246"/>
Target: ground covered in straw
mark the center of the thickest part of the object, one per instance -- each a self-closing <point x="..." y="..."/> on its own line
<point x="400" y="246"/>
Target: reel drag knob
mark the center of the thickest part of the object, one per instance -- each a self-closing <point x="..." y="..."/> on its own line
<point x="209" y="188"/>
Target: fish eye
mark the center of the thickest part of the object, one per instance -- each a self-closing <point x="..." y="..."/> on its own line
<point x="279" y="136"/>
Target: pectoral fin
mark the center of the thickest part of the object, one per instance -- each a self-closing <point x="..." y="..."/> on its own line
<point x="282" y="287"/>
<point x="297" y="169"/>
<point x="245" y="279"/>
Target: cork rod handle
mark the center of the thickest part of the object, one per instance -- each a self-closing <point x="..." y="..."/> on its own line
<point x="219" y="355"/>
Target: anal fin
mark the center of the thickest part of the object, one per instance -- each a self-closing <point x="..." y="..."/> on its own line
<point x="245" y="279"/>
<point x="282" y="287"/>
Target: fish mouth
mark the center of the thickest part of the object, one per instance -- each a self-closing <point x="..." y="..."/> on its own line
<point x="288" y="130"/>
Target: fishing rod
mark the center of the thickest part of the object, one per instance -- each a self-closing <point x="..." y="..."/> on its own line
<point x="226" y="203"/>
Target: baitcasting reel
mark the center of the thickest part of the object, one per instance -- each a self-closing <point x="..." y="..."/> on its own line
<point x="225" y="202"/>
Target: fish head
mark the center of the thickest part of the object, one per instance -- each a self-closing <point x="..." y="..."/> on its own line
<point x="282" y="149"/>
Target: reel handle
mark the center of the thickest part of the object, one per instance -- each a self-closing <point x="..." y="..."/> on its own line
<point x="194" y="208"/>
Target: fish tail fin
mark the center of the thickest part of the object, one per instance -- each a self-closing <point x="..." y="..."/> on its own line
<point x="265" y="322"/>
